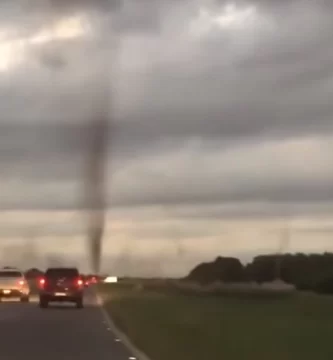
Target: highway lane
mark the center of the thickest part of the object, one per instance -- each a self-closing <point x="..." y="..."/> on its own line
<point x="58" y="333"/>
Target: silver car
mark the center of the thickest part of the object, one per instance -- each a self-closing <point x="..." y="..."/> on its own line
<point x="13" y="284"/>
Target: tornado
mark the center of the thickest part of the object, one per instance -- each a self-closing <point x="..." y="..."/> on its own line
<point x="99" y="140"/>
<point x="96" y="187"/>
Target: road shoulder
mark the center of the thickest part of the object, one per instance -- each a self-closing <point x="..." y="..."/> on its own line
<point x="139" y="355"/>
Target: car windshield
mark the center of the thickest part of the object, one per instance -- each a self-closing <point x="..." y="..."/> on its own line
<point x="11" y="274"/>
<point x="56" y="273"/>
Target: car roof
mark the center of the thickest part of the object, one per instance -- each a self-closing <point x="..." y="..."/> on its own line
<point x="6" y="269"/>
<point x="9" y="267"/>
<point x="62" y="268"/>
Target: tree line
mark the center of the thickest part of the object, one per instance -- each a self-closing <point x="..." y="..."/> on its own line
<point x="305" y="271"/>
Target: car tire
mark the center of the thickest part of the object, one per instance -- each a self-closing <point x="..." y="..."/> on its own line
<point x="24" y="299"/>
<point x="79" y="303"/>
<point x="43" y="303"/>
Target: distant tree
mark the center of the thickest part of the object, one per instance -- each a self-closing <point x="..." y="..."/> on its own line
<point x="324" y="286"/>
<point x="262" y="268"/>
<point x="302" y="270"/>
<point x="305" y="271"/>
<point x="225" y="269"/>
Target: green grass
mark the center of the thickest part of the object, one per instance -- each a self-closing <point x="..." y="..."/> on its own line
<point x="187" y="327"/>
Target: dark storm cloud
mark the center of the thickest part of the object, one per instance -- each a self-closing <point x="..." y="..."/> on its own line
<point x="273" y="4"/>
<point x="70" y="5"/>
<point x="282" y="86"/>
<point x="118" y="15"/>
<point x="274" y="195"/>
<point x="249" y="210"/>
<point x="225" y="87"/>
<point x="28" y="7"/>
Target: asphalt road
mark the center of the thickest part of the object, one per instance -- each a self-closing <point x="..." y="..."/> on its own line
<point x="60" y="332"/>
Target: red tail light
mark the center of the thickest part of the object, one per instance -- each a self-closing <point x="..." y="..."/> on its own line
<point x="21" y="282"/>
<point x="79" y="282"/>
<point x="41" y="282"/>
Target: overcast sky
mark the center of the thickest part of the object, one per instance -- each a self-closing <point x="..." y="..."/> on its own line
<point x="221" y="123"/>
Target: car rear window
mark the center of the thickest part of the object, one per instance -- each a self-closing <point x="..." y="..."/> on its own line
<point x="10" y="274"/>
<point x="63" y="272"/>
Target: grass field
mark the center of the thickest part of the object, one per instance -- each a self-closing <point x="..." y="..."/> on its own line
<point x="188" y="327"/>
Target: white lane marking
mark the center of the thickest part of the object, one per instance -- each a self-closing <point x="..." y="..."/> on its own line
<point x="119" y="334"/>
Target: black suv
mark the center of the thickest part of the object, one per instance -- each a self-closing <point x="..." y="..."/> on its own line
<point x="61" y="285"/>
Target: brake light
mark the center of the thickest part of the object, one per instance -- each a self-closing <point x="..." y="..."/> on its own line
<point x="79" y="282"/>
<point x="21" y="282"/>
<point x="42" y="282"/>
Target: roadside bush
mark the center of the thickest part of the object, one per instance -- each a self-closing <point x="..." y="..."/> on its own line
<point x="224" y="269"/>
<point x="325" y="287"/>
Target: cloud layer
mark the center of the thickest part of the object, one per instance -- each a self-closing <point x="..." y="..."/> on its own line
<point x="223" y="109"/>
<point x="205" y="107"/>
